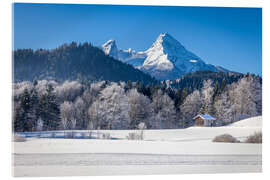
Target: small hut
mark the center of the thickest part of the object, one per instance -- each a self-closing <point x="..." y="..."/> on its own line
<point x="205" y="120"/>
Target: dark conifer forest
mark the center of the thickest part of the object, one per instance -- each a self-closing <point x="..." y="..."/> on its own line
<point x="73" y="62"/>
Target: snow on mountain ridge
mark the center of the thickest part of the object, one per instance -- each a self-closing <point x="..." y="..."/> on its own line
<point x="167" y="58"/>
<point x="168" y="55"/>
<point x="128" y="56"/>
<point x="110" y="48"/>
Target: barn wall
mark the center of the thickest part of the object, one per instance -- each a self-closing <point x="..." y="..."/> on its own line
<point x="206" y="123"/>
<point x="199" y="122"/>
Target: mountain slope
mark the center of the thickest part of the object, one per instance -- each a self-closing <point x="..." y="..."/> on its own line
<point x="168" y="58"/>
<point x="72" y="61"/>
<point x="128" y="56"/>
<point x="165" y="59"/>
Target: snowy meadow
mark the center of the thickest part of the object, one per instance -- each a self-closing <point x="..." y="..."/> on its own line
<point x="189" y="150"/>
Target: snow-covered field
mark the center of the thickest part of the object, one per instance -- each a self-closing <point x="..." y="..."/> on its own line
<point x="250" y="122"/>
<point x="172" y="151"/>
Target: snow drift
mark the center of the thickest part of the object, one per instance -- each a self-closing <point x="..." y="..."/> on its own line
<point x="250" y="122"/>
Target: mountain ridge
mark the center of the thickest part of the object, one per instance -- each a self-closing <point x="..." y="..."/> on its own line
<point x="73" y="62"/>
<point x="166" y="59"/>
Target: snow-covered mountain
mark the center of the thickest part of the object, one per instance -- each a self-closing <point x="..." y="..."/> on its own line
<point x="167" y="58"/>
<point x="128" y="56"/>
<point x="110" y="48"/>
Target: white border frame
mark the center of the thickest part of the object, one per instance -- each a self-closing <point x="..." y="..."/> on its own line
<point x="6" y="49"/>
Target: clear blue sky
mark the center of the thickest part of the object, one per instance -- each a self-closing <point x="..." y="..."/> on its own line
<point x="229" y="37"/>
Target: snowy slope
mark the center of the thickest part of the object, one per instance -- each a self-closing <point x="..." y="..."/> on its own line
<point x="169" y="58"/>
<point x="128" y="56"/>
<point x="250" y="122"/>
<point x="166" y="59"/>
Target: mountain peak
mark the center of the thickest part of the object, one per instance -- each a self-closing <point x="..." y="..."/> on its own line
<point x="110" y="48"/>
<point x="167" y="38"/>
<point x="167" y="58"/>
<point x="165" y="42"/>
<point x="165" y="35"/>
<point x="110" y="43"/>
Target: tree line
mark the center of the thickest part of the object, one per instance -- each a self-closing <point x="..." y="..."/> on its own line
<point x="50" y="105"/>
<point x="73" y="61"/>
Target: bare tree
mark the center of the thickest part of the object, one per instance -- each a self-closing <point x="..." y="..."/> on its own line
<point x="95" y="115"/>
<point x="80" y="113"/>
<point x="66" y="115"/>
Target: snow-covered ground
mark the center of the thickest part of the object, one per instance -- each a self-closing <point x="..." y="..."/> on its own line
<point x="188" y="150"/>
<point x="250" y="122"/>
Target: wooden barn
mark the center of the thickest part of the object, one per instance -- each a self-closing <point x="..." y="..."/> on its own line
<point x="205" y="120"/>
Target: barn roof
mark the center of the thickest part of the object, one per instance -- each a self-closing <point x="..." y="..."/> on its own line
<point x="205" y="116"/>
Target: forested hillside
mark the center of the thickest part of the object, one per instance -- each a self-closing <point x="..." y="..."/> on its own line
<point x="195" y="80"/>
<point x="73" y="62"/>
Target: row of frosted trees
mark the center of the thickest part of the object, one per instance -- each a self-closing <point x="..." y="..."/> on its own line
<point x="47" y="105"/>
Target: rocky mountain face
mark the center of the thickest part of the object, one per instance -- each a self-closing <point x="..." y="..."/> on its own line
<point x="167" y="58"/>
<point x="128" y="56"/>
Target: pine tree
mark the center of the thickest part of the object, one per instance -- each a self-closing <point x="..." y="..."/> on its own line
<point x="27" y="119"/>
<point x="18" y="117"/>
<point x="223" y="85"/>
<point x="49" y="110"/>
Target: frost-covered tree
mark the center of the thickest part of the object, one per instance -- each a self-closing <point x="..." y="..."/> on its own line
<point x="39" y="126"/>
<point x="224" y="108"/>
<point x="207" y="92"/>
<point x="92" y="92"/>
<point x="88" y="97"/>
<point x="246" y="96"/>
<point x="68" y="91"/>
<point x="96" y="87"/>
<point x="68" y="116"/>
<point x="66" y="109"/>
<point x="20" y="87"/>
<point x="257" y="92"/>
<point x="95" y="115"/>
<point x="164" y="111"/>
<point x="191" y="107"/>
<point x="239" y="100"/>
<point x="140" y="108"/>
<point x="42" y="85"/>
<point x="80" y="113"/>
<point x="114" y="104"/>
<point x="157" y="101"/>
